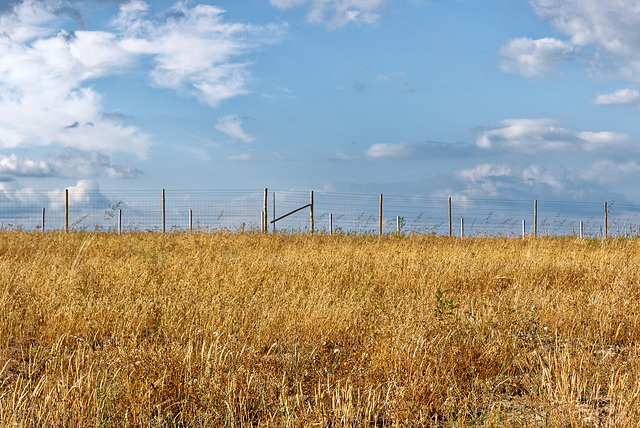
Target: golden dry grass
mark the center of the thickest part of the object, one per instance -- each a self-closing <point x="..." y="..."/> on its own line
<point x="238" y="330"/>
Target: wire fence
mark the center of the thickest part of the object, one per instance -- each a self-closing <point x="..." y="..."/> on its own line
<point x="256" y="210"/>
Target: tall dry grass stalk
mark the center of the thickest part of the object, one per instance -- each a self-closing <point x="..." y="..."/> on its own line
<point x="268" y="330"/>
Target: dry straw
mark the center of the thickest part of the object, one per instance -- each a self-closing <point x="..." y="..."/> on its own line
<point x="269" y="330"/>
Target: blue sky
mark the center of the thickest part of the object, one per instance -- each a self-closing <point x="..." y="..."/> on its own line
<point x="485" y="99"/>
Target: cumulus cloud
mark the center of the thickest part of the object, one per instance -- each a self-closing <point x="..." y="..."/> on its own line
<point x="535" y="136"/>
<point x="46" y="67"/>
<point x="232" y="126"/>
<point x="18" y="166"/>
<point x="86" y="193"/>
<point x="337" y="13"/>
<point x="611" y="29"/>
<point x="621" y="97"/>
<point x="71" y="162"/>
<point x="533" y="58"/>
<point x="66" y="163"/>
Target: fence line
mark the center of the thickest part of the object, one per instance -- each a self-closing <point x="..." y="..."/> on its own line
<point x="248" y="210"/>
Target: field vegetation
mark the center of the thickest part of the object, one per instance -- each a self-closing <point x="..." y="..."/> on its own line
<point x="223" y="329"/>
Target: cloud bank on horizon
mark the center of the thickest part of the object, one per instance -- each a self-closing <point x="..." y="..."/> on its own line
<point x="99" y="91"/>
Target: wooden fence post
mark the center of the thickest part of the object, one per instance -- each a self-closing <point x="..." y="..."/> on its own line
<point x="66" y="210"/>
<point x="119" y="222"/>
<point x="163" y="212"/>
<point x="606" y="226"/>
<point x="380" y="217"/>
<point x="449" y="216"/>
<point x="330" y="224"/>
<point x="190" y="221"/>
<point x="264" y="211"/>
<point x="43" y="220"/>
<point x="311" y="212"/>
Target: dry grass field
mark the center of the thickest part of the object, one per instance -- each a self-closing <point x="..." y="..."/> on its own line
<point x="223" y="329"/>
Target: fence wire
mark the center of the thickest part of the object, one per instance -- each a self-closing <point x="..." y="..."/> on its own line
<point x="242" y="210"/>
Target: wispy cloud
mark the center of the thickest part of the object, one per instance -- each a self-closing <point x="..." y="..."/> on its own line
<point x="239" y="158"/>
<point x="338" y="13"/>
<point x="195" y="50"/>
<point x="419" y="150"/>
<point x="232" y="126"/>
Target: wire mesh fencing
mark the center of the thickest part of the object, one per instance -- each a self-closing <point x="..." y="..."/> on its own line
<point x="292" y="211"/>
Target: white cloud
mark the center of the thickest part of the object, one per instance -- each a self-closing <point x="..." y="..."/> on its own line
<point x="390" y="151"/>
<point x="18" y="166"/>
<point x="533" y="58"/>
<point x="66" y="163"/>
<point x="610" y="28"/>
<point x="239" y="158"/>
<point x="483" y="171"/>
<point x="45" y="69"/>
<point x="621" y="97"/>
<point x="85" y="193"/>
<point x="89" y="164"/>
<point x="338" y="13"/>
<point x="611" y="173"/>
<point x="194" y="50"/>
<point x="486" y="180"/>
<point x="536" y="174"/>
<point x="232" y="126"/>
<point x="534" y="136"/>
<point x="41" y="74"/>
<point x="416" y="150"/>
